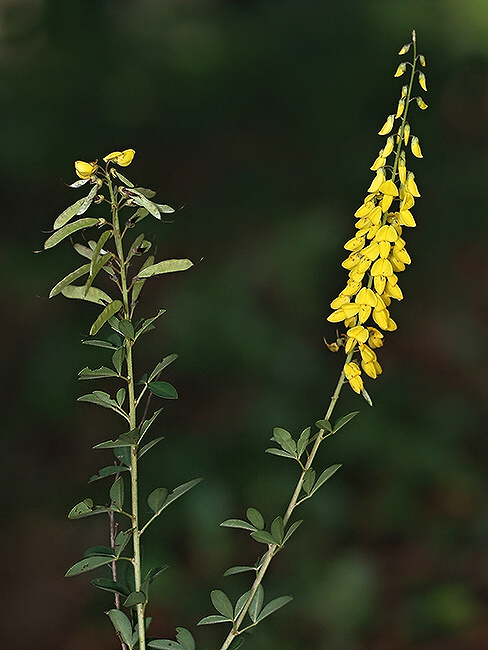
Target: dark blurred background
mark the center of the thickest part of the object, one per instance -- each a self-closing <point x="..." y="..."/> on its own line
<point x="259" y="119"/>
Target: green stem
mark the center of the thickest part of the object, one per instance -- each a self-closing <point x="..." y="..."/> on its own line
<point x="272" y="548"/>
<point x="136" y="560"/>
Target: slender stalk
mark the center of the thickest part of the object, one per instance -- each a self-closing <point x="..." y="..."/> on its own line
<point x="136" y="560"/>
<point x="273" y="548"/>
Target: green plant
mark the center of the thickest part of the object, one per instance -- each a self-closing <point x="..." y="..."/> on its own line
<point x="377" y="254"/>
<point x="110" y="256"/>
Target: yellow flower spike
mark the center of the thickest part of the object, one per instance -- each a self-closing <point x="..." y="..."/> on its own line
<point x="387" y="126"/>
<point x="390" y="143"/>
<point x="415" y="146"/>
<point x="375" y="339"/>
<point x="400" y="108"/>
<point x="422" y="81"/>
<point x="122" y="158"/>
<point x="353" y="376"/>
<point x="356" y="334"/>
<point x="412" y="185"/>
<point x="377" y="180"/>
<point x="85" y="170"/>
<point x="400" y="70"/>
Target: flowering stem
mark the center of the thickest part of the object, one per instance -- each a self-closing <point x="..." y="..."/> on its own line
<point x="136" y="560"/>
<point x="273" y="548"/>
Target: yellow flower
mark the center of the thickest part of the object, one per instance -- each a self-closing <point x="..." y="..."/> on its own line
<point x="357" y="334"/>
<point x="122" y="158"/>
<point x="387" y="126"/>
<point x="353" y="375"/>
<point x="375" y="339"/>
<point x="415" y="146"/>
<point x="84" y="170"/>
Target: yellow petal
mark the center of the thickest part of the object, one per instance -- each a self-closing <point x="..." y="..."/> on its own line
<point x="377" y="180"/>
<point x="415" y="146"/>
<point x="389" y="188"/>
<point x="422" y="81"/>
<point x="387" y="126"/>
<point x="112" y="156"/>
<point x="390" y="143"/>
<point x="84" y="170"/>
<point x="412" y="185"/>
<point x="404" y="49"/>
<point x="126" y="157"/>
<point x="400" y="70"/>
<point x="400" y="108"/>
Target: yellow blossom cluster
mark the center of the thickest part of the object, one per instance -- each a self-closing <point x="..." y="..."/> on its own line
<point x="86" y="170"/>
<point x="377" y="251"/>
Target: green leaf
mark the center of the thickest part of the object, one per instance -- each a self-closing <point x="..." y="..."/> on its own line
<point x="273" y="606"/>
<point x="124" y="440"/>
<point x="101" y="398"/>
<point x="99" y="550"/>
<point x="81" y="509"/>
<point x="240" y="604"/>
<point x="256" y="604"/>
<point x="120" y="396"/>
<point x="124" y="180"/>
<point x="122" y="625"/>
<point x="164" y="644"/>
<point x="364" y="392"/>
<point x="326" y="474"/>
<point x="106" y="584"/>
<point x="153" y="573"/>
<point x="156" y="499"/>
<point x="238" y="523"/>
<point x="88" y="200"/>
<point x="163" y="389"/>
<point x="167" y="266"/>
<point x="303" y="441"/>
<point x="147" y="423"/>
<point x="117" y="493"/>
<point x="284" y="439"/>
<point x="277" y="529"/>
<point x="238" y="569"/>
<point x="308" y="480"/>
<point x="221" y="602"/>
<point x="236" y="643"/>
<point x="110" y="310"/>
<point x="165" y="209"/>
<point x="255" y="517"/>
<point x="121" y="541"/>
<point x="291" y="530"/>
<point x="99" y="373"/>
<point x="146" y="324"/>
<point x="139" y="199"/>
<point x="162" y="365"/>
<point x="88" y="564"/>
<point x="280" y="452"/>
<point x="97" y="267"/>
<point x="92" y="295"/>
<point x="185" y="639"/>
<point x="68" y="214"/>
<point x="126" y="328"/>
<point x="344" y="420"/>
<point x="324" y="425"/>
<point x="149" y="445"/>
<point x="214" y="618"/>
<point x="263" y="537"/>
<point x="99" y="344"/>
<point x="180" y="490"/>
<point x="68" y="230"/>
<point x="135" y="598"/>
<point x="110" y="470"/>
<point x="68" y="279"/>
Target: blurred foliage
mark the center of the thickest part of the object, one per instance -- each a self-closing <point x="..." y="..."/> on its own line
<point x="259" y="119"/>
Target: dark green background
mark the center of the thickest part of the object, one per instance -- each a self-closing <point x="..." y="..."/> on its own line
<point x="260" y="118"/>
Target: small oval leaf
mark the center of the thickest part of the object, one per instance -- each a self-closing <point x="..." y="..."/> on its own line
<point x="168" y="266"/>
<point x="68" y="230"/>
